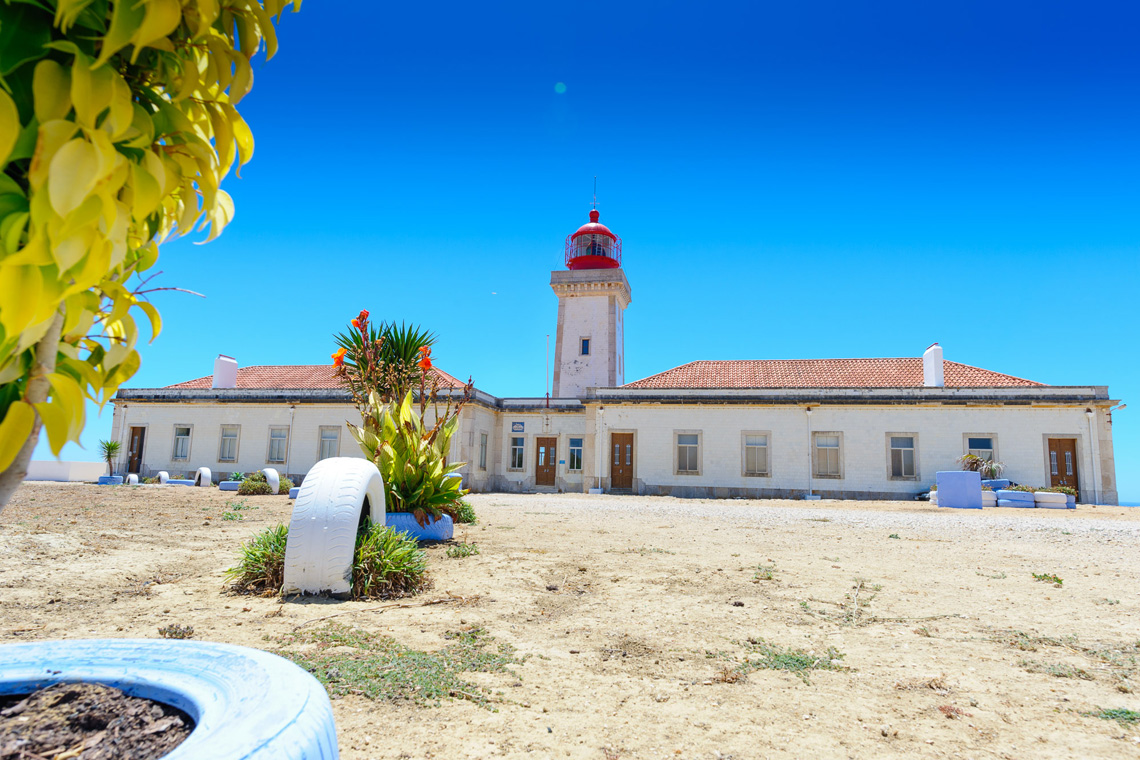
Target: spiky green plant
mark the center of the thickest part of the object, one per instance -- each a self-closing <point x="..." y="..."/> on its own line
<point x="109" y="450"/>
<point x="261" y="563"/>
<point x="390" y="367"/>
<point x="386" y="564"/>
<point x="465" y="513"/>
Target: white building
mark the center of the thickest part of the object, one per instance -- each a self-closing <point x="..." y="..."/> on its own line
<point x="842" y="428"/>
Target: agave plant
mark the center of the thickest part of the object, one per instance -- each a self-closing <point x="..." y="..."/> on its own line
<point x="412" y="458"/>
<point x="109" y="450"/>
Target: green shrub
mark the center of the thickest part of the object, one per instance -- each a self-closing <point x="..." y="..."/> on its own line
<point x="987" y="488"/>
<point x="934" y="487"/>
<point x="251" y="487"/>
<point x="1023" y="489"/>
<point x="464" y="513"/>
<point x="257" y="477"/>
<point x="237" y="475"/>
<point x="283" y="486"/>
<point x="385" y="564"/>
<point x="462" y="550"/>
<point x="1067" y="490"/>
<point x="261" y="563"/>
<point x="149" y="481"/>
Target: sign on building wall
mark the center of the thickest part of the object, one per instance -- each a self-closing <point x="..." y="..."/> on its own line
<point x="517" y="427"/>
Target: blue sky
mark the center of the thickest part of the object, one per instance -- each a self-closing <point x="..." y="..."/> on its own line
<point x="792" y="180"/>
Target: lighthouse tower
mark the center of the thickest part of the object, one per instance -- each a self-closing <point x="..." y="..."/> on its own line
<point x="592" y="295"/>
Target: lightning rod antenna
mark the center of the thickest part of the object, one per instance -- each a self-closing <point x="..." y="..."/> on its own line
<point x="595" y="191"/>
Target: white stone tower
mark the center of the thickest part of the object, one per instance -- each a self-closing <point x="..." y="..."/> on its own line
<point x="592" y="296"/>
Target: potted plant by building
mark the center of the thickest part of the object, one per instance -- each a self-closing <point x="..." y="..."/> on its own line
<point x="233" y="482"/>
<point x="389" y="372"/>
<point x="109" y="450"/>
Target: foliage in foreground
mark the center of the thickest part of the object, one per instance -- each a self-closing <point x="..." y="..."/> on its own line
<point x="764" y="656"/>
<point x="118" y="123"/>
<point x="352" y="661"/>
<point x="251" y="487"/>
<point x="465" y="513"/>
<point x="385" y="565"/>
<point x="1121" y="715"/>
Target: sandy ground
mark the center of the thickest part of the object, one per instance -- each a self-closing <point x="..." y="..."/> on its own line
<point x="630" y="610"/>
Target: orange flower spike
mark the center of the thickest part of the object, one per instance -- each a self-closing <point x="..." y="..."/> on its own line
<point x="425" y="363"/>
<point x="338" y="357"/>
<point x="356" y="323"/>
<point x="363" y="315"/>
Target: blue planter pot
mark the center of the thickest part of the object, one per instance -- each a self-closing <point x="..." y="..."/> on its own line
<point x="179" y="482"/>
<point x="229" y="485"/>
<point x="404" y="522"/>
<point x="1072" y="502"/>
<point x="110" y="480"/>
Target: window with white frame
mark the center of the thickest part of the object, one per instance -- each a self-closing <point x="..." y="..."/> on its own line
<point x="827" y="455"/>
<point x="181" y="442"/>
<point x="755" y="454"/>
<point x="902" y="456"/>
<point x="575" y="461"/>
<point x="228" y="446"/>
<point x="482" y="451"/>
<point x="981" y="447"/>
<point x="329" y="442"/>
<point x="688" y="453"/>
<point x="518" y="449"/>
<point x="278" y="444"/>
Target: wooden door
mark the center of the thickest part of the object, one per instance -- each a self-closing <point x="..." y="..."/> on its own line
<point x="135" y="449"/>
<point x="621" y="460"/>
<point x="1063" y="462"/>
<point x="546" y="461"/>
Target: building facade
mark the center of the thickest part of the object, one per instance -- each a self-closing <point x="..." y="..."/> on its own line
<point x="835" y="428"/>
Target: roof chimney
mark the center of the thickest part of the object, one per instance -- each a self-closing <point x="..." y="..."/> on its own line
<point x="932" y="367"/>
<point x="225" y="372"/>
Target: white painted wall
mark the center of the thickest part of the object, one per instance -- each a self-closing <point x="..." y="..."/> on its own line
<point x="65" y="471"/>
<point x="585" y="317"/>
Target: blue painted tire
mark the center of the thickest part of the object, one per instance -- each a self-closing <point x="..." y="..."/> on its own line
<point x="229" y="485"/>
<point x="110" y="480"/>
<point x="404" y="522"/>
<point x="246" y="704"/>
<point x="1022" y="503"/>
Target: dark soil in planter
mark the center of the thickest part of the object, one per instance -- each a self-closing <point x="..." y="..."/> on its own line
<point x="88" y="721"/>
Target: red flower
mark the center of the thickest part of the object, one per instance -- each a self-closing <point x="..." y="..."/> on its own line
<point x="338" y="357"/>
<point x="363" y="315"/>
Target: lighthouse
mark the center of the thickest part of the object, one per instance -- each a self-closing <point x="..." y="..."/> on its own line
<point x="592" y="296"/>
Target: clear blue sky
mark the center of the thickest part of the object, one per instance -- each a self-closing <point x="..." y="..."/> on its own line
<point x="791" y="180"/>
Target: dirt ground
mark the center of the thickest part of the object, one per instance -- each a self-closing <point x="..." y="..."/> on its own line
<point x="634" y="614"/>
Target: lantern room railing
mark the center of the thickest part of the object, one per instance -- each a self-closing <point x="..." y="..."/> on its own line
<point x="593" y="244"/>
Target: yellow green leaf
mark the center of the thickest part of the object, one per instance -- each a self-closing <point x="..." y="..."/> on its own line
<point x="74" y="171"/>
<point x="52" y="136"/>
<point x="162" y="18"/>
<point x="126" y="18"/>
<point x="57" y="423"/>
<point x="9" y="126"/>
<point x="153" y="315"/>
<point x="91" y="90"/>
<point x="14" y="431"/>
<point x="51" y="89"/>
<point x="20" y="290"/>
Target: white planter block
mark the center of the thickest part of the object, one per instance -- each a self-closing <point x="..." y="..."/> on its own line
<point x="272" y="478"/>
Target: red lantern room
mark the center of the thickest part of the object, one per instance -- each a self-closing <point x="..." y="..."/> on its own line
<point x="593" y="246"/>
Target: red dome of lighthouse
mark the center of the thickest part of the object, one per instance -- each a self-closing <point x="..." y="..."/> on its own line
<point x="593" y="246"/>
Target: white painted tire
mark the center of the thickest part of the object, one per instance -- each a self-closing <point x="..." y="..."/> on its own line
<point x="322" y="530"/>
<point x="1050" y="499"/>
<point x="204" y="478"/>
<point x="272" y="478"/>
<point x="933" y="497"/>
<point x="132" y="480"/>
<point x="989" y="499"/>
<point x="246" y="704"/>
<point x="163" y="476"/>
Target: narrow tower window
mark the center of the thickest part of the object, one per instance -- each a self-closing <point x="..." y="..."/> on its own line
<point x="585" y="346"/>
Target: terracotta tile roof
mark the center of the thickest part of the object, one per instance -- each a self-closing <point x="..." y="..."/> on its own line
<point x="292" y="377"/>
<point x="822" y="373"/>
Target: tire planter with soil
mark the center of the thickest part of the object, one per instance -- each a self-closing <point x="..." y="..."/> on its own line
<point x="1050" y="500"/>
<point x="246" y="704"/>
